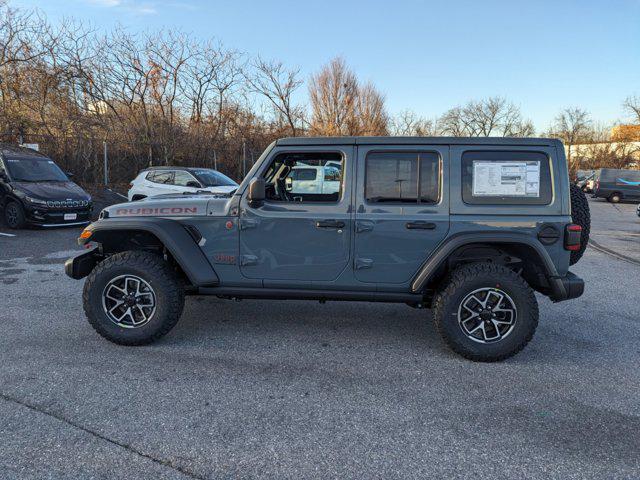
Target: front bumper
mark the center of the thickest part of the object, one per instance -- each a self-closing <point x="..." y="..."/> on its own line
<point x="47" y="217"/>
<point x="81" y="265"/>
<point x="567" y="287"/>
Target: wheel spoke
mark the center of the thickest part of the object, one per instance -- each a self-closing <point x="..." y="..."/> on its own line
<point x="471" y="311"/>
<point x="149" y="297"/>
<point x="481" y="302"/>
<point x="487" y="315"/>
<point x="141" y="310"/>
<point x="129" y="301"/>
<point x="495" y="294"/>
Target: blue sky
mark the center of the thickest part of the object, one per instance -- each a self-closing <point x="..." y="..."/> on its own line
<point x="424" y="56"/>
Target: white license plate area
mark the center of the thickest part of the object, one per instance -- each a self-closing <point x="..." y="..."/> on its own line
<point x="70" y="216"/>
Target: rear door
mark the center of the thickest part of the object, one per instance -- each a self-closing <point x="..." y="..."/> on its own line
<point x="402" y="210"/>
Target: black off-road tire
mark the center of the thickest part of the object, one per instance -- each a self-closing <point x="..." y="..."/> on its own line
<point x="465" y="280"/>
<point x="14" y="216"/>
<point x="580" y="215"/>
<point x="152" y="268"/>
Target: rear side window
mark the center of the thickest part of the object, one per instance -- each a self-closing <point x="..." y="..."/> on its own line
<point x="304" y="174"/>
<point x="506" y="178"/>
<point x="161" y="177"/>
<point x="402" y="177"/>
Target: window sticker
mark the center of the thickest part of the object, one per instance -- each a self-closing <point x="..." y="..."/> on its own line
<point x="506" y="179"/>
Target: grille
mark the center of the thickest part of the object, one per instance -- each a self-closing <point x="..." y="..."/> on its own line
<point x="67" y="203"/>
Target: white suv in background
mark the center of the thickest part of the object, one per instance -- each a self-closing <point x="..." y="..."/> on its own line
<point x="155" y="181"/>
<point x="311" y="179"/>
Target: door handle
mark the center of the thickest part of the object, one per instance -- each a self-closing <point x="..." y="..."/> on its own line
<point x="329" y="224"/>
<point x="420" y="226"/>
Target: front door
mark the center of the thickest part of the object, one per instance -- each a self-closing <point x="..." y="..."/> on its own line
<point x="402" y="210"/>
<point x="298" y="235"/>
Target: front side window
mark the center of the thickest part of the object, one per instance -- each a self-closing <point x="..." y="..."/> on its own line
<point x="301" y="177"/>
<point x="402" y="177"/>
<point x="34" y="169"/>
<point x="182" y="178"/>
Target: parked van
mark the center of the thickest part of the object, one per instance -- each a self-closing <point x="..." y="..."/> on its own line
<point x="616" y="184"/>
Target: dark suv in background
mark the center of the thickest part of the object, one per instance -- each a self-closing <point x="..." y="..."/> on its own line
<point x="35" y="191"/>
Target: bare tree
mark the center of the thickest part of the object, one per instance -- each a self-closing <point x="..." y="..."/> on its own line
<point x="494" y="116"/>
<point x="571" y="125"/>
<point x="333" y="93"/>
<point x="277" y="84"/>
<point x="342" y="106"/>
<point x="408" y="123"/>
<point x="632" y="106"/>
<point x="370" y="116"/>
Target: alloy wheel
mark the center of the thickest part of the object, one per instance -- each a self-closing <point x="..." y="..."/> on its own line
<point x="129" y="301"/>
<point x="487" y="315"/>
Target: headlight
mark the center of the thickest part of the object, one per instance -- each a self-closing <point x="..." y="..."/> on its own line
<point x="36" y="201"/>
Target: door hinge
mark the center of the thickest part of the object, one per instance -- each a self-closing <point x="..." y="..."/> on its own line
<point x="246" y="260"/>
<point x="362" y="263"/>
<point x="364" y="226"/>
<point x="246" y="223"/>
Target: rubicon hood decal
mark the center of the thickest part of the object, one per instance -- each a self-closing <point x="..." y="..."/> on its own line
<point x="154" y="211"/>
<point x="174" y="207"/>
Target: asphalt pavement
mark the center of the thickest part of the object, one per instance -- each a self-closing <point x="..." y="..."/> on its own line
<point x="290" y="389"/>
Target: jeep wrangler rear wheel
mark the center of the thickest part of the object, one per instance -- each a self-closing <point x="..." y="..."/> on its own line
<point x="486" y="312"/>
<point x="133" y="298"/>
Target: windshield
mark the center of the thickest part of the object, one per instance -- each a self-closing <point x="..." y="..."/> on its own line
<point x="213" y="178"/>
<point x="34" y="169"/>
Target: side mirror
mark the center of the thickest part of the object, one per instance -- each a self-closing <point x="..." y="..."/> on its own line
<point x="4" y="177"/>
<point x="69" y="174"/>
<point x="257" y="192"/>
<point x="193" y="184"/>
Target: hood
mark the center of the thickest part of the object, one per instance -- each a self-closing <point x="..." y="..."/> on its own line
<point x="171" y="206"/>
<point x="51" y="190"/>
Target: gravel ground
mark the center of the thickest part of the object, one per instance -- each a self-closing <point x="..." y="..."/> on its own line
<point x="288" y="389"/>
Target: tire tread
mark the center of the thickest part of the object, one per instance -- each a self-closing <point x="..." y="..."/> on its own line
<point x="169" y="285"/>
<point x="456" y="282"/>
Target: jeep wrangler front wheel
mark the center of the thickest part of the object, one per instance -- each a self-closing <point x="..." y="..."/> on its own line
<point x="486" y="312"/>
<point x="133" y="298"/>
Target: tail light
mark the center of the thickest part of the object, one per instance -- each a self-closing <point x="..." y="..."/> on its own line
<point x="597" y="185"/>
<point x="572" y="236"/>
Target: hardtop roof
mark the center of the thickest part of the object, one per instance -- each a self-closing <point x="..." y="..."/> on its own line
<point x="166" y="167"/>
<point x="291" y="141"/>
<point x="12" y="149"/>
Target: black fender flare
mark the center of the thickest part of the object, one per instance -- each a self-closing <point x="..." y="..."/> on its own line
<point x="440" y="255"/>
<point x="173" y="235"/>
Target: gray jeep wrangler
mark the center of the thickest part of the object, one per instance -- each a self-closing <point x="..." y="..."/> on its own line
<point x="468" y="227"/>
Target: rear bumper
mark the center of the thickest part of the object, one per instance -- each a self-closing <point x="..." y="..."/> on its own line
<point x="567" y="287"/>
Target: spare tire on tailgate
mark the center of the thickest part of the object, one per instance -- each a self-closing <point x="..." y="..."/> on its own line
<point x="580" y="215"/>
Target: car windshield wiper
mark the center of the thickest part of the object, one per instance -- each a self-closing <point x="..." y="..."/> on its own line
<point x="200" y="192"/>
